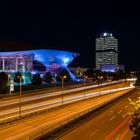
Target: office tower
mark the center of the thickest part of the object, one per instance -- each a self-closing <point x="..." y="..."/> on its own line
<point x="106" y="50"/>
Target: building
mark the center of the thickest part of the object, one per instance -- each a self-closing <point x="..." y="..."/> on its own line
<point x="112" y="68"/>
<point x="106" y="50"/>
<point x="36" y="61"/>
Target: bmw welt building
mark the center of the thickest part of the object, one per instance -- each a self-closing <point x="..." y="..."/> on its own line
<point x="36" y="61"/>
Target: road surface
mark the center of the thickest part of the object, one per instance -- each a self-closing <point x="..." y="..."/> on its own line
<point x="111" y="124"/>
<point x="28" y="127"/>
<point x="12" y="112"/>
<point x="45" y="94"/>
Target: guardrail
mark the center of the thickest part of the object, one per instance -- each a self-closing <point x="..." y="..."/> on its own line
<point x="50" y="132"/>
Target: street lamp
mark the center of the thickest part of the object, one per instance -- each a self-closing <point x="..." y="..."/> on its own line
<point x="9" y="83"/>
<point x="111" y="83"/>
<point x="84" y="86"/>
<point x="63" y="77"/>
<point x="100" y="78"/>
<point x="20" y="95"/>
<point x="55" y="75"/>
<point x="117" y="86"/>
<point x="111" y="80"/>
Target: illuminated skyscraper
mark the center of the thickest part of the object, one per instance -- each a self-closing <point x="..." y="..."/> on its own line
<point x="106" y="50"/>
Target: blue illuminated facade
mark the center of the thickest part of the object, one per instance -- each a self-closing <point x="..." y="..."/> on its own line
<point x="32" y="61"/>
<point x="112" y="68"/>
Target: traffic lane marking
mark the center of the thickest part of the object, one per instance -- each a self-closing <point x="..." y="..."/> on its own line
<point x="94" y="132"/>
<point x="124" y="115"/>
<point x="110" y="112"/>
<point x="112" y="118"/>
<point x="126" y="106"/>
<point x="120" y="111"/>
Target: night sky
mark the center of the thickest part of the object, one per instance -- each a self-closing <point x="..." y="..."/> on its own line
<point x="72" y="27"/>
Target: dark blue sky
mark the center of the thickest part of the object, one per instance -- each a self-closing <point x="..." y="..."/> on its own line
<point x="71" y="27"/>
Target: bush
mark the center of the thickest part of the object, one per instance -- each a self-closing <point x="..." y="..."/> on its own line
<point x="64" y="72"/>
<point x="48" y="77"/>
<point x="3" y="82"/>
<point x="36" y="79"/>
<point x="135" y="122"/>
<point x="17" y="77"/>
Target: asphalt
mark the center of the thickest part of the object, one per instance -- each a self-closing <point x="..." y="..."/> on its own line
<point x="9" y="109"/>
<point x="112" y="123"/>
<point x="27" y="128"/>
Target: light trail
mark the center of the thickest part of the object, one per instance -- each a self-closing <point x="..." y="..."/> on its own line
<point x="36" y="107"/>
<point x="27" y="128"/>
<point x="51" y="94"/>
<point x="123" y="123"/>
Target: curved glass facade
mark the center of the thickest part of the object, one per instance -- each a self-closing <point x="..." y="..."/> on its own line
<point x="36" y="61"/>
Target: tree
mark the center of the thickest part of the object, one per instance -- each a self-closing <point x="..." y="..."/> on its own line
<point x="98" y="74"/>
<point x="127" y="73"/>
<point x="135" y="122"/>
<point x="17" y="77"/>
<point x="63" y="72"/>
<point x="48" y="77"/>
<point x="89" y="73"/>
<point x="3" y="82"/>
<point x="138" y="79"/>
<point x="119" y="75"/>
<point x="36" y="79"/>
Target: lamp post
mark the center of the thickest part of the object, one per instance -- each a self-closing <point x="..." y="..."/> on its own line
<point x="63" y="77"/>
<point x="20" y="95"/>
<point x="100" y="78"/>
<point x="111" y="83"/>
<point x="84" y="86"/>
<point x="9" y="83"/>
<point x="55" y="79"/>
<point x="117" y="87"/>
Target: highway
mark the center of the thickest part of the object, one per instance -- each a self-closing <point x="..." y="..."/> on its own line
<point x="111" y="124"/>
<point x="28" y="127"/>
<point x="12" y="112"/>
<point x="8" y="102"/>
<point x="45" y="94"/>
